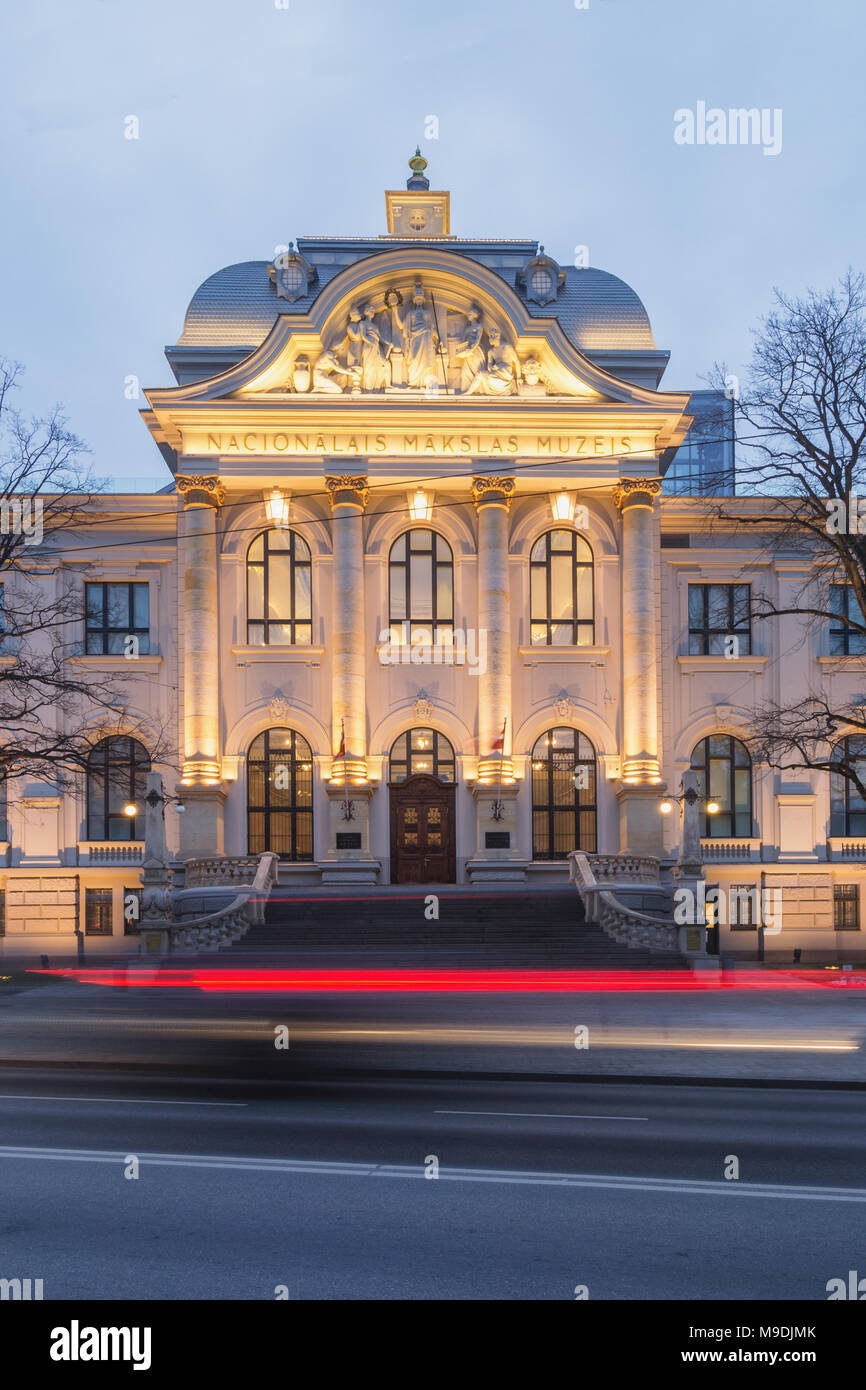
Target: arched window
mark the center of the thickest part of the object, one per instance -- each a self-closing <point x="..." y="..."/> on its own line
<point x="279" y="590"/>
<point x="847" y="806"/>
<point x="280" y="795"/>
<point x="421" y="577"/>
<point x="563" y="794"/>
<point x="561" y="610"/>
<point x="116" y="777"/>
<point x="422" y="750"/>
<point x="724" y="774"/>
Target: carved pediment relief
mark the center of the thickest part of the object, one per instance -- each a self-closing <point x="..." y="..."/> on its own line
<point x="404" y="337"/>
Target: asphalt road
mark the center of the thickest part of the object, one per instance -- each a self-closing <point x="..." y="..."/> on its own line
<point x="321" y="1188"/>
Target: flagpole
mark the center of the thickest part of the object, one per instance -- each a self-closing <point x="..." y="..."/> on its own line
<point x="347" y="810"/>
<point x="497" y="807"/>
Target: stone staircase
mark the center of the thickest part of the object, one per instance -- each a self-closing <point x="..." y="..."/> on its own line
<point x="528" y="929"/>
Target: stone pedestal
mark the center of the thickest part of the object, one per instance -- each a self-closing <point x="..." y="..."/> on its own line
<point x="348" y="858"/>
<point x="497" y="857"/>
<point x="202" y="824"/>
<point x="641" y="829"/>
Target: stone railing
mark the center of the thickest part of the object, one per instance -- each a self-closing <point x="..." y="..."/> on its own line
<point x="639" y="930"/>
<point x="713" y="851"/>
<point x="222" y="928"/>
<point x="624" y="868"/>
<point x="110" y="851"/>
<point x="217" y="869"/>
<point x="846" y="847"/>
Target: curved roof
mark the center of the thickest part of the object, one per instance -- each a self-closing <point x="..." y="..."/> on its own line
<point x="238" y="306"/>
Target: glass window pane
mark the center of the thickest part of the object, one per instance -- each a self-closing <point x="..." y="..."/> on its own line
<point x="279" y="586"/>
<point x="141" y="605"/>
<point x="398" y="593"/>
<point x="95" y="596"/>
<point x="696" y="605"/>
<point x="118" y="605"/>
<point x="421" y="586"/>
<point x="538" y="592"/>
<point x="303" y="592"/>
<point x="539" y="550"/>
<point x="256" y="634"/>
<point x="718" y="605"/>
<point x="445" y="593"/>
<point x="256" y="552"/>
<point x="584" y="592"/>
<point x="256" y="591"/>
<point x="561" y="572"/>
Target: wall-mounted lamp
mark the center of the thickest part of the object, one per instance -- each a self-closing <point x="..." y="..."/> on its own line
<point x="276" y="507"/>
<point x="420" y="505"/>
<point x="562" y="506"/>
<point x="691" y="797"/>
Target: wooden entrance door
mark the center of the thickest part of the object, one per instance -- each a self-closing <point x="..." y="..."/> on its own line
<point x="423" y="847"/>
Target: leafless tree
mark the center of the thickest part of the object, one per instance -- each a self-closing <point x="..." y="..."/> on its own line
<point x="48" y="705"/>
<point x="801" y="425"/>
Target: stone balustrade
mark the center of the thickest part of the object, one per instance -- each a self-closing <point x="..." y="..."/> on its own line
<point x="110" y="852"/>
<point x="639" y="930"/>
<point x="846" y="847"/>
<point x="239" y="869"/>
<point x="730" y="850"/>
<point x="624" y="868"/>
<point x="222" y="928"/>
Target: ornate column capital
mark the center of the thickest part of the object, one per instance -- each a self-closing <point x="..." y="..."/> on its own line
<point x="487" y="490"/>
<point x="200" y="490"/>
<point x="347" y="488"/>
<point x="636" y="492"/>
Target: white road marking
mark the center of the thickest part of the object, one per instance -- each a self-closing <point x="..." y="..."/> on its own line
<point x="120" y="1100"/>
<point x="539" y="1115"/>
<point x="340" y="1168"/>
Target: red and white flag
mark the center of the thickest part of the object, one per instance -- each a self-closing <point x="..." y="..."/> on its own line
<point x="499" y="743"/>
<point x="341" y="751"/>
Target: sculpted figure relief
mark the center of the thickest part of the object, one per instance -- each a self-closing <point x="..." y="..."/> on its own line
<point x="325" y="372"/>
<point x="397" y="345"/>
<point x="420" y="340"/>
<point x="468" y="350"/>
<point x="498" y="377"/>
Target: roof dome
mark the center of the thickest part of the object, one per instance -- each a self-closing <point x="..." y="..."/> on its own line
<point x="237" y="308"/>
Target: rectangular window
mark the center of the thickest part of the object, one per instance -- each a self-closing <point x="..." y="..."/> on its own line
<point x="118" y="619"/>
<point x="97" y="911"/>
<point x="846" y="907"/>
<point x="720" y="620"/>
<point x="845" y="640"/>
<point x="743" y="900"/>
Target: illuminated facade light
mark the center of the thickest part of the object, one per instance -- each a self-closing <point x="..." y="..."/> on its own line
<point x="562" y="506"/>
<point x="276" y="507"/>
<point x="420" y="505"/>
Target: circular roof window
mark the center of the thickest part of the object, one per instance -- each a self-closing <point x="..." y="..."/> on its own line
<point x="541" y="283"/>
<point x="293" y="277"/>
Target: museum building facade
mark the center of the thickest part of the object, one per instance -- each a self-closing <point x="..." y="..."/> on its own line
<point x="418" y="605"/>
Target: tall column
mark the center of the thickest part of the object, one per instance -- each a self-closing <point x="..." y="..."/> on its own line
<point x="492" y="498"/>
<point x="495" y="790"/>
<point x="640" y="822"/>
<point x="349" y="790"/>
<point x="348" y="658"/>
<point x="201" y="780"/>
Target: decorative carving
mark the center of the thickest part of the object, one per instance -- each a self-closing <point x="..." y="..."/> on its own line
<point x="532" y="382"/>
<point x="346" y="487"/>
<point x="422" y="709"/>
<point x="563" y="705"/>
<point x="200" y="490"/>
<point x="541" y="278"/>
<point x="487" y="489"/>
<point x="326" y="369"/>
<point x="636" y="492"/>
<point x="279" y="708"/>
<point x="499" y="377"/>
<point x="420" y="339"/>
<point x="302" y="375"/>
<point x="292" y="275"/>
<point x="468" y="351"/>
<point x="404" y="339"/>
